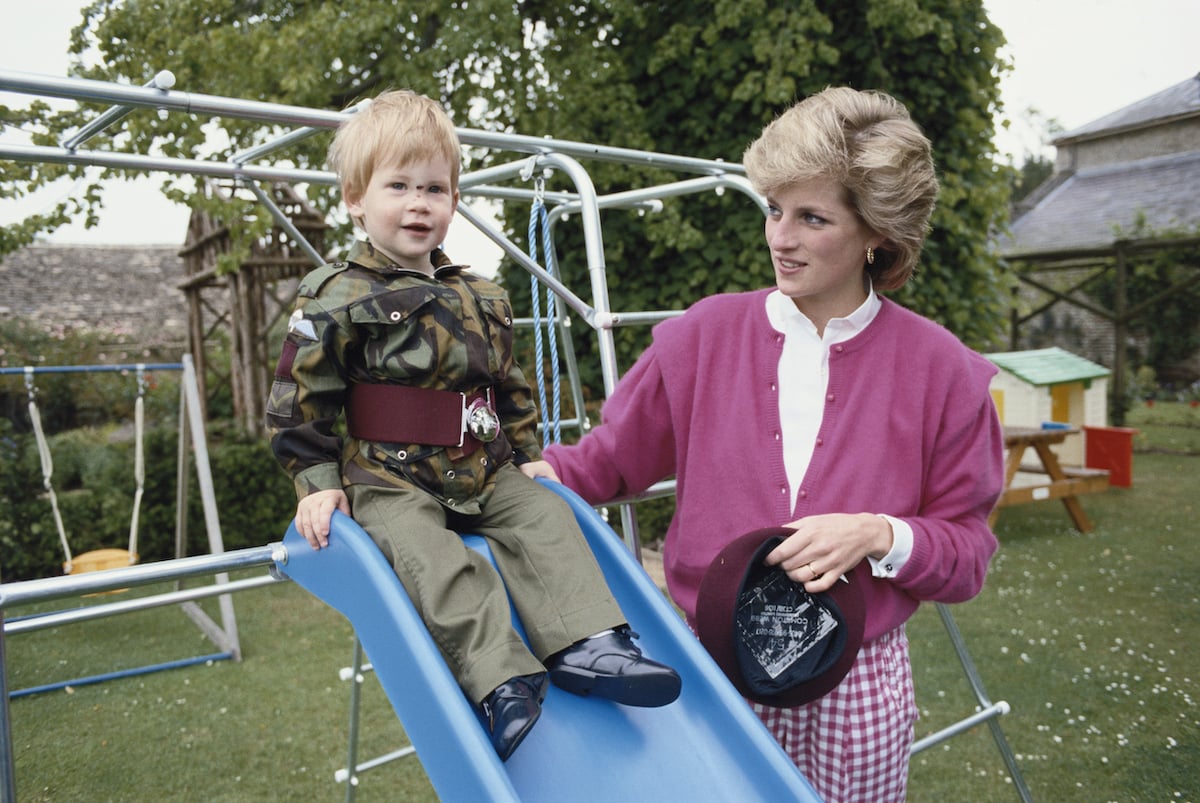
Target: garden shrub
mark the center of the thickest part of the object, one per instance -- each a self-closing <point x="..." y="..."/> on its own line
<point x="95" y="485"/>
<point x="255" y="498"/>
<point x="28" y="540"/>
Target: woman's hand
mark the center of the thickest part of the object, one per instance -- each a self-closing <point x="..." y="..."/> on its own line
<point x="314" y="512"/>
<point x="825" y="547"/>
<point x="539" y="468"/>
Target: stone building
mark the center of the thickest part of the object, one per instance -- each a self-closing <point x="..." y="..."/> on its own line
<point x="1134" y="170"/>
<point x="157" y="302"/>
<point x="128" y="293"/>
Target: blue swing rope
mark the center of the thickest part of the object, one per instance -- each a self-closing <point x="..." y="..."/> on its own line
<point x="552" y="430"/>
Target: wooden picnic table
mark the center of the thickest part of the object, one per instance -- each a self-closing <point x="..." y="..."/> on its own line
<point x="1065" y="483"/>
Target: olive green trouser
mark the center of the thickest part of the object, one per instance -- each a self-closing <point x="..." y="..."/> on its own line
<point x="554" y="581"/>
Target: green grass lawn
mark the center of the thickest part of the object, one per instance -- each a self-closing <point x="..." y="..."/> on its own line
<point x="272" y="727"/>
<point x="1166" y="427"/>
<point x="1091" y="638"/>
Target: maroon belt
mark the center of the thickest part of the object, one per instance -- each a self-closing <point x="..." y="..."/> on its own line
<point x="406" y="414"/>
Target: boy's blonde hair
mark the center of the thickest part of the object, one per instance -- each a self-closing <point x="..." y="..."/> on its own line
<point x="398" y="127"/>
<point x="867" y="143"/>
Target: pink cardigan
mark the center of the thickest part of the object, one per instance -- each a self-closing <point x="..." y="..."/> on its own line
<point x="909" y="430"/>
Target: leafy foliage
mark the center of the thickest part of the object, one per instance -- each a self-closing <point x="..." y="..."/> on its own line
<point x="68" y="401"/>
<point x="696" y="77"/>
<point x="95" y="485"/>
<point x="88" y="422"/>
<point x="1031" y="175"/>
<point x="705" y="83"/>
<point x="1160" y="288"/>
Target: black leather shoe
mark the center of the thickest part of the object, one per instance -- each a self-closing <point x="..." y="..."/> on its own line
<point x="511" y="710"/>
<point x="612" y="666"/>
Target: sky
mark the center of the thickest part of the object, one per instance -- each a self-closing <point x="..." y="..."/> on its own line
<point x="1073" y="61"/>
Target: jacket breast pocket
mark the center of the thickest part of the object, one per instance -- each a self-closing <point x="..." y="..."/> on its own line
<point x="400" y="331"/>
<point x="499" y="314"/>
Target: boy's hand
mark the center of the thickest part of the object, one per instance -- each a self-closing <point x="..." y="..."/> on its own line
<point x="539" y="468"/>
<point x="314" y="512"/>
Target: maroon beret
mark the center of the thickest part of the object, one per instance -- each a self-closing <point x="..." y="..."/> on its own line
<point x="778" y="644"/>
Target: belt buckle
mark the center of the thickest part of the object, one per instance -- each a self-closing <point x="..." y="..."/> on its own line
<point x="480" y="420"/>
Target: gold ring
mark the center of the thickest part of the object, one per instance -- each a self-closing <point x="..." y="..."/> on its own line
<point x="809" y="566"/>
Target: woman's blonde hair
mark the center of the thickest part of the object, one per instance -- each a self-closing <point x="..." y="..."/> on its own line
<point x="867" y="143"/>
<point x="398" y="127"/>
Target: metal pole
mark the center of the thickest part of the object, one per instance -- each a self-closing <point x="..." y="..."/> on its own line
<point x="1120" y="378"/>
<point x="650" y="197"/>
<point x="593" y="241"/>
<point x="187" y="102"/>
<point x="8" y="783"/>
<point x="278" y="113"/>
<point x="208" y="502"/>
<point x="164" y="164"/>
<point x="92" y="680"/>
<point x="28" y="624"/>
<point x="27" y="592"/>
<point x="93" y="369"/>
<point x="992" y="710"/>
<point x="573" y="301"/>
<point x="162" y="81"/>
<point x="963" y="725"/>
<point x="285" y="223"/>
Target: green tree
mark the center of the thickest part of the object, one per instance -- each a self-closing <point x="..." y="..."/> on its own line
<point x="703" y="78"/>
<point x="1037" y="164"/>
<point x="694" y="77"/>
<point x="1032" y="174"/>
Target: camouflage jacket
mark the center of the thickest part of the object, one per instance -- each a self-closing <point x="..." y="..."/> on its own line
<point x="367" y="320"/>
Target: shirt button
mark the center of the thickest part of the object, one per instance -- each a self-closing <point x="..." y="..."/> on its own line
<point x="838" y="349"/>
<point x="803" y="494"/>
<point x="829" y="398"/>
<point x="773" y="386"/>
<point x="778" y="436"/>
<point x="783" y="489"/>
<point x="820" y="441"/>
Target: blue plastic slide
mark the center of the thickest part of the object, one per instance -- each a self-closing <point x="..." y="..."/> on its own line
<point x="707" y="745"/>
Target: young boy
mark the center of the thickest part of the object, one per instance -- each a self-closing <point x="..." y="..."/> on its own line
<point x="417" y="353"/>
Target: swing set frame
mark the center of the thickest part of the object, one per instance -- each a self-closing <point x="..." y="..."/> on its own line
<point x="192" y="439"/>
<point x="96" y="559"/>
<point x="535" y="155"/>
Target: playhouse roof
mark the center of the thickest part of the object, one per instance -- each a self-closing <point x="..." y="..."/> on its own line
<point x="1050" y="366"/>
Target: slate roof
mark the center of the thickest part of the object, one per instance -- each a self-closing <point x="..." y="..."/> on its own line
<point x="118" y="288"/>
<point x="1180" y="100"/>
<point x="1051" y="366"/>
<point x="1085" y="208"/>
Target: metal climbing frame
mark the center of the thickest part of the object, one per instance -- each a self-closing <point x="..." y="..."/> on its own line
<point x="531" y="156"/>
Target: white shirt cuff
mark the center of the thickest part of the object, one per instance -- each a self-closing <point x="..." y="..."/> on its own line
<point x="902" y="541"/>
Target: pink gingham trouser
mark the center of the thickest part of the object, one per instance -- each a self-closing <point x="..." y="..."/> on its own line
<point x="853" y="743"/>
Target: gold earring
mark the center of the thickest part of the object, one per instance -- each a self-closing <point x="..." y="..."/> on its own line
<point x="870" y="255"/>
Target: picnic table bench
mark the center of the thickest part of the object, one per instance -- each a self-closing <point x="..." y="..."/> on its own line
<point x="1062" y="482"/>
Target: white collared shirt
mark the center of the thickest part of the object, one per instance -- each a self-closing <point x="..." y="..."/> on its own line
<point x="803" y="379"/>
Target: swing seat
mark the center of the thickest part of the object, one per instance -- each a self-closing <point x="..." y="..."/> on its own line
<point x="100" y="559"/>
